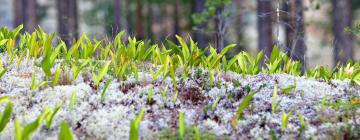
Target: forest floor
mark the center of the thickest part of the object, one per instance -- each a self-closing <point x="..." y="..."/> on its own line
<point x="92" y="118"/>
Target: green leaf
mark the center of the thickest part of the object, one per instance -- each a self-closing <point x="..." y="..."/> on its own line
<point x="274" y="103"/>
<point x="3" y="42"/>
<point x="5" y="116"/>
<point x="103" y="70"/>
<point x="65" y="132"/>
<point x="4" y="98"/>
<point x="18" y="130"/>
<point x="56" y="75"/>
<point x="243" y="104"/>
<point x="72" y="101"/>
<point x="50" y="117"/>
<point x="284" y="119"/>
<point x="30" y="128"/>
<point x="134" y="124"/>
<point x="181" y="125"/>
<point x="3" y="71"/>
<point x="107" y="83"/>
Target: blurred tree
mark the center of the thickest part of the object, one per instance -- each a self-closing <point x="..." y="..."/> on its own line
<point x="199" y="36"/>
<point x="295" y="31"/>
<point x="25" y="13"/>
<point x="67" y="20"/>
<point x="265" y="30"/>
<point x="214" y="9"/>
<point x="176" y="17"/>
<point x="117" y="16"/>
<point x="139" y="19"/>
<point x="343" y="41"/>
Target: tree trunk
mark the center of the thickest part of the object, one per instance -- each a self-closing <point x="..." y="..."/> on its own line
<point x="117" y="17"/>
<point x="199" y="36"/>
<point x="25" y="13"/>
<point x="67" y="20"/>
<point x="176" y="18"/>
<point x="295" y="31"/>
<point x="139" y="20"/>
<point x="343" y="42"/>
<point x="265" y="31"/>
<point x="219" y="29"/>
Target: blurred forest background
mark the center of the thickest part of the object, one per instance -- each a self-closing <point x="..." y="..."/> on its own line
<point x="312" y="31"/>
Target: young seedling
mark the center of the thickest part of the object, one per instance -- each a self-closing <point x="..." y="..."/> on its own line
<point x="181" y="125"/>
<point x="65" y="132"/>
<point x="243" y="104"/>
<point x="5" y="116"/>
<point x="24" y="133"/>
<point x="51" y="114"/>
<point x="302" y="123"/>
<point x="76" y="69"/>
<point x="284" y="120"/>
<point x="4" y="98"/>
<point x="35" y="85"/>
<point x="56" y="75"/>
<point x="163" y="92"/>
<point x="3" y="70"/>
<point x="134" y="125"/>
<point x="274" y="104"/>
<point x="214" y="104"/>
<point x="106" y="85"/>
<point x="101" y="73"/>
<point x="288" y="88"/>
<point x="150" y="99"/>
<point x="72" y="101"/>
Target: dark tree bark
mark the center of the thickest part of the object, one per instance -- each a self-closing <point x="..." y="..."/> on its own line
<point x="67" y="20"/>
<point x="265" y="29"/>
<point x="343" y="42"/>
<point x="176" y="17"/>
<point x="25" y="13"/>
<point x="295" y="31"/>
<point x="139" y="20"/>
<point x="199" y="36"/>
<point x="117" y="17"/>
<point x="219" y="28"/>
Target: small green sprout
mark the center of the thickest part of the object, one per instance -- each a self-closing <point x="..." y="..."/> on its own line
<point x="106" y="85"/>
<point x="4" y="98"/>
<point x="24" y="133"/>
<point x="302" y="123"/>
<point x="101" y="73"/>
<point x="76" y="69"/>
<point x="214" y="104"/>
<point x="243" y="104"/>
<point x="288" y="88"/>
<point x="284" y="119"/>
<point x="274" y="104"/>
<point x="50" y="114"/>
<point x="72" y="100"/>
<point x="35" y="85"/>
<point x="65" y="132"/>
<point x="5" y="116"/>
<point x="181" y="125"/>
<point x="134" y="125"/>
<point x="56" y="75"/>
<point x="150" y="95"/>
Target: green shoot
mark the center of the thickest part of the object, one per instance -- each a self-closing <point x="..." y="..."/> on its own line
<point x="101" y="73"/>
<point x="274" y="103"/>
<point x="134" y="125"/>
<point x="50" y="116"/>
<point x="56" y="75"/>
<point x="76" y="69"/>
<point x="243" y="104"/>
<point x="5" y="116"/>
<point x="181" y="125"/>
<point x="150" y="94"/>
<point x="72" y="101"/>
<point x="287" y="89"/>
<point x="65" y="132"/>
<point x="106" y="85"/>
<point x="302" y="123"/>
<point x="214" y="104"/>
<point x="4" y="98"/>
<point x="284" y="120"/>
